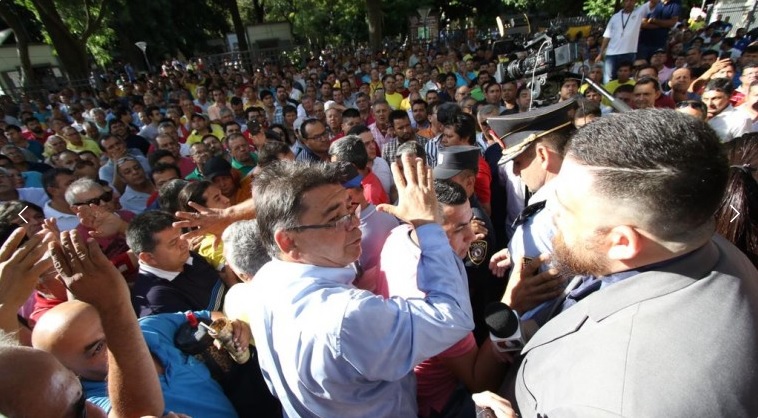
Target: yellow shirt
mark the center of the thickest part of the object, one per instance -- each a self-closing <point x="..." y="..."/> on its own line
<point x="393" y="99"/>
<point x="215" y="130"/>
<point x="214" y="256"/>
<point x="87" y="145"/>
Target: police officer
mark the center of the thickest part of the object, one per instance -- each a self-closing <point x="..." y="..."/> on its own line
<point x="461" y="164"/>
<point x="535" y="141"/>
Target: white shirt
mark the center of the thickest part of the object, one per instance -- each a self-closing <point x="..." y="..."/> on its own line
<point x="134" y="201"/>
<point x="65" y="221"/>
<point x="383" y="172"/>
<point x="731" y="123"/>
<point x="623" y="31"/>
<point x="163" y="274"/>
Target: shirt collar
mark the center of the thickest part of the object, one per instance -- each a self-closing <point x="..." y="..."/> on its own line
<point x="163" y="274"/>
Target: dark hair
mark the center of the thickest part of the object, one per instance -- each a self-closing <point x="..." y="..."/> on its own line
<point x="649" y="80"/>
<point x="270" y="152"/>
<point x="351" y="149"/>
<point x="162" y="168"/>
<point x="420" y="102"/>
<point x="410" y="147"/>
<point x="350" y="113"/>
<point x="193" y="192"/>
<point x="155" y="156"/>
<point x="278" y="191"/>
<point x="587" y="108"/>
<point x="625" y="64"/>
<point x="140" y="234"/>
<point x="230" y="123"/>
<point x="671" y="166"/>
<point x="13" y="128"/>
<point x="168" y="195"/>
<point x="9" y="210"/>
<point x="723" y="85"/>
<point x="446" y="112"/>
<point x="742" y="195"/>
<point x="397" y="115"/>
<point x="265" y="93"/>
<point x="710" y="52"/>
<point x="358" y="129"/>
<point x="305" y="124"/>
<point x="289" y="109"/>
<point x="449" y="193"/>
<point x="464" y="125"/>
<point x="284" y="130"/>
<point x="50" y="178"/>
<point x="624" y="88"/>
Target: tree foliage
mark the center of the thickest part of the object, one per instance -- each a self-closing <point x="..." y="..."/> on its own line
<point x="74" y="28"/>
<point x="600" y="8"/>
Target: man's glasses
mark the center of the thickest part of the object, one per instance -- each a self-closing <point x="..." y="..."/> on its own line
<point x="693" y="104"/>
<point x="342" y="223"/>
<point x="105" y="197"/>
<point x="323" y="136"/>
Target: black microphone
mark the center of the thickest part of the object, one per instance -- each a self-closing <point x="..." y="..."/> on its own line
<point x="505" y="327"/>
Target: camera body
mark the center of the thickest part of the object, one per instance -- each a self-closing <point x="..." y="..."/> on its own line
<point x="548" y="51"/>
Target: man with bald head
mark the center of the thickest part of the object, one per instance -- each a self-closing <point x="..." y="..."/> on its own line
<point x="27" y="373"/>
<point x="73" y="333"/>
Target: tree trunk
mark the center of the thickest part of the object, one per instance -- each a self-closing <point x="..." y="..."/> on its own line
<point x="72" y="52"/>
<point x="71" y="48"/>
<point x="374" y="18"/>
<point x="260" y="12"/>
<point x="11" y="18"/>
<point x="239" y="28"/>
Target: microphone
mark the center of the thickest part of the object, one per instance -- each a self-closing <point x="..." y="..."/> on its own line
<point x="506" y="330"/>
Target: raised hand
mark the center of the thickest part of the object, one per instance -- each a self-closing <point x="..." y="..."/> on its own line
<point x="500" y="262"/>
<point x="527" y="288"/>
<point x="203" y="221"/>
<point x="20" y="268"/>
<point x="87" y="273"/>
<point x="104" y="223"/>
<point x="417" y="202"/>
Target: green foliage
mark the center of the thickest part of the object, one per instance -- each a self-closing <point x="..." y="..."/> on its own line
<point x="170" y="26"/>
<point x="599" y="8"/>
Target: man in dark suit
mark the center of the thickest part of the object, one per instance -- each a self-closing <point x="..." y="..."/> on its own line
<point x="664" y="320"/>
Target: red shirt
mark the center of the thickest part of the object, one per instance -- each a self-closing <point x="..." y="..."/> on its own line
<point x="373" y="190"/>
<point x="483" y="179"/>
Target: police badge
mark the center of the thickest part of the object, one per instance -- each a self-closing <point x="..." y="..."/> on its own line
<point x="477" y="252"/>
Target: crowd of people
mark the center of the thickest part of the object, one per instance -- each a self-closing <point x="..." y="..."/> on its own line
<point x="359" y="223"/>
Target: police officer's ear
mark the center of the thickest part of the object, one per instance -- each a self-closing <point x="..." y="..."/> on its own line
<point x="544" y="154"/>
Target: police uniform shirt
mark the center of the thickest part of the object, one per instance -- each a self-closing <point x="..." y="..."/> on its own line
<point x="534" y="236"/>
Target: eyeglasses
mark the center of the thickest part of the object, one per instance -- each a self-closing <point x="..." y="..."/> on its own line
<point x="323" y="136"/>
<point x="693" y="104"/>
<point x="342" y="223"/>
<point x="105" y="197"/>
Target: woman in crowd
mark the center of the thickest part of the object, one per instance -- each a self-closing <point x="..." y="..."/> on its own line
<point x="737" y="217"/>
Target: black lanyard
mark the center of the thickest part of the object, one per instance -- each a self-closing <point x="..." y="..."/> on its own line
<point x="623" y="24"/>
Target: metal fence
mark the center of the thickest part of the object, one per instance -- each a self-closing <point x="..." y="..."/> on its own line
<point x="246" y="59"/>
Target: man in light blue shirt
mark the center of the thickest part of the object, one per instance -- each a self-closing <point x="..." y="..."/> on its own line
<point x="326" y="348"/>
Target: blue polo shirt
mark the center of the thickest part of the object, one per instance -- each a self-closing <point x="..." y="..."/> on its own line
<point x="186" y="383"/>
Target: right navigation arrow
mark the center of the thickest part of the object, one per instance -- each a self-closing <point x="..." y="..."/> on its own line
<point x="737" y="213"/>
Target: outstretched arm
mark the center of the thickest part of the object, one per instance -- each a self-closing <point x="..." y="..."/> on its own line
<point x="133" y="385"/>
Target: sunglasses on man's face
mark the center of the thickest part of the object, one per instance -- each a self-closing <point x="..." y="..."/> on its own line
<point x="105" y="197"/>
